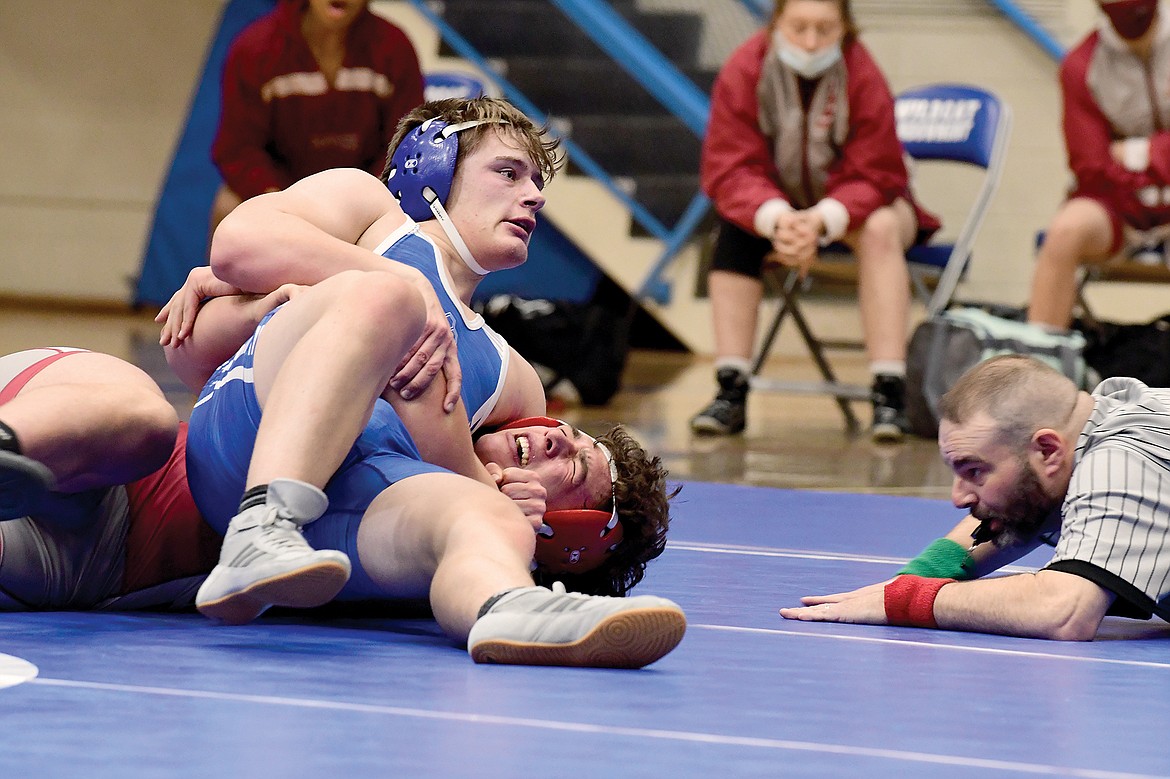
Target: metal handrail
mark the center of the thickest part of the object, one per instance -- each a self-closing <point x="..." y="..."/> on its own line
<point x="659" y="76"/>
<point x="580" y="157"/>
<point x="1030" y="27"/>
<point x="651" y="69"/>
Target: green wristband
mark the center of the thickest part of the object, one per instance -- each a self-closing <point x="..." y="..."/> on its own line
<point x="943" y="559"/>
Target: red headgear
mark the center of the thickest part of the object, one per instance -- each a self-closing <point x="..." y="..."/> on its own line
<point x="1131" y="18"/>
<point x="573" y="540"/>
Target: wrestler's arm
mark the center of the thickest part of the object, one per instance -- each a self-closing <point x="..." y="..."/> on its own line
<point x="442" y="439"/>
<point x="222" y="326"/>
<point x="321" y="226"/>
<point x="445" y="439"/>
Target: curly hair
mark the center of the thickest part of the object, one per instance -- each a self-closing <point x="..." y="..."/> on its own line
<point x="497" y="114"/>
<point x="643" y="506"/>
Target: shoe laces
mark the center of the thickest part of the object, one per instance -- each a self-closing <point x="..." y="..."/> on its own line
<point x="281" y="531"/>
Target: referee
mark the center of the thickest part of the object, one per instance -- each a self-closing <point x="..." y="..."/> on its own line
<point x="1037" y="461"/>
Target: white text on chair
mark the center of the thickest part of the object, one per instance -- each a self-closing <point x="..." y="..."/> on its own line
<point x="946" y="121"/>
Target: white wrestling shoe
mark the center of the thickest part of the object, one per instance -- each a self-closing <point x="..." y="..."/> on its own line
<point x="538" y="626"/>
<point x="265" y="560"/>
<point x="23" y="483"/>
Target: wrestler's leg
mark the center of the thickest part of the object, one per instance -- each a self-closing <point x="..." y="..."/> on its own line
<point x="319" y="365"/>
<point x="473" y="548"/>
<point x="450" y="537"/>
<point x="94" y="420"/>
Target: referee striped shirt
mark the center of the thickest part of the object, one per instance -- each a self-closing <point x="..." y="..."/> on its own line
<point x="1115" y="528"/>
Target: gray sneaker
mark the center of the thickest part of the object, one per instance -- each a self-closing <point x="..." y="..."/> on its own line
<point x="23" y="483"/>
<point x="265" y="560"/>
<point x="538" y="626"/>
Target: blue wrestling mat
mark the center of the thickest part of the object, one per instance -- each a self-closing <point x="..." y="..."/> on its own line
<point x="746" y="694"/>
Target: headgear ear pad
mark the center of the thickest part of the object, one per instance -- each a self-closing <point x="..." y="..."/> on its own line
<point x="572" y="540"/>
<point x="425" y="157"/>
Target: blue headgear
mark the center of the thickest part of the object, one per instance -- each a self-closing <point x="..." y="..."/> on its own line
<point x="424" y="158"/>
<point x="420" y="174"/>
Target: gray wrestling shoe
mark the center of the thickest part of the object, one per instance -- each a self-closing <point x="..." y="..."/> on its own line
<point x="24" y="482"/>
<point x="265" y="560"/>
<point x="538" y="626"/>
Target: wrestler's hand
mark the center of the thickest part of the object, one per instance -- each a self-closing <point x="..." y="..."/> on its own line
<point x="262" y="304"/>
<point x="178" y="315"/>
<point x="524" y="488"/>
<point x="432" y="353"/>
<point x="865" y="606"/>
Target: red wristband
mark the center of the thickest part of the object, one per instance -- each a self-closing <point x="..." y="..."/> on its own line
<point x="910" y="601"/>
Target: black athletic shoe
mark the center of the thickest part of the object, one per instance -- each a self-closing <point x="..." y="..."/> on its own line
<point x="889" y="409"/>
<point x="725" y="414"/>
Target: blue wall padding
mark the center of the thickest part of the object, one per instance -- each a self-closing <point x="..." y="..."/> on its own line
<point x="178" y="237"/>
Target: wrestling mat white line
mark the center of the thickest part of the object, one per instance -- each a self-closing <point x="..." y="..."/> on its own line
<point x="14" y="671"/>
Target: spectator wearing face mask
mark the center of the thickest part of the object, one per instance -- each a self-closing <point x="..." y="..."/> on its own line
<point x="1117" y="131"/>
<point x="801" y="152"/>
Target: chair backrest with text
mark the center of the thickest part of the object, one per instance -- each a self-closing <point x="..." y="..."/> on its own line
<point x="958" y="123"/>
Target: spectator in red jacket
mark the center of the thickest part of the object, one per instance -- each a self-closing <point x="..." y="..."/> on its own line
<point x="801" y="152"/>
<point x="1116" y="131"/>
<point x="312" y="85"/>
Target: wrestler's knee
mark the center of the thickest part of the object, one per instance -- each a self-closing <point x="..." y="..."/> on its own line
<point x="152" y="424"/>
<point x="376" y="298"/>
<point x="496" y="517"/>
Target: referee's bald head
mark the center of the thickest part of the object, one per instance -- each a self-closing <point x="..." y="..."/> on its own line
<point x="1021" y="395"/>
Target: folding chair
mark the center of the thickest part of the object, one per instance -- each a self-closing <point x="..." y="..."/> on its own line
<point x="441" y="84"/>
<point x="945" y="123"/>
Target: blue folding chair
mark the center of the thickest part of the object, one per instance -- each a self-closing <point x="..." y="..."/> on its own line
<point x="938" y="123"/>
<point x="441" y="84"/>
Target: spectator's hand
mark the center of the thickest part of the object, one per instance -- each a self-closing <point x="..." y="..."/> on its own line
<point x="865" y="606"/>
<point x="434" y="351"/>
<point x="795" y="240"/>
<point x="524" y="488"/>
<point x="178" y="315"/>
<point x="1117" y="152"/>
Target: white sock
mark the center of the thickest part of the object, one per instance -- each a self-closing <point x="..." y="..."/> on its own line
<point x="888" y="368"/>
<point x="741" y="364"/>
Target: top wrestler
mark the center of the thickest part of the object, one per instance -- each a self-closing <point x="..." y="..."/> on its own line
<point x="326" y="359"/>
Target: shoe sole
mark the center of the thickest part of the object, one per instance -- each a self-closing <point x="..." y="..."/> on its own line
<point x="23" y="482"/>
<point x="886" y="434"/>
<point x="305" y="588"/>
<point x="628" y="639"/>
<point x="703" y="427"/>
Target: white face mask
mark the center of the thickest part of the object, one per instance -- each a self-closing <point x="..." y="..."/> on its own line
<point x="807" y="64"/>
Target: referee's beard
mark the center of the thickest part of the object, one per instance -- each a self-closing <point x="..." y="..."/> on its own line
<point x="1027" y="509"/>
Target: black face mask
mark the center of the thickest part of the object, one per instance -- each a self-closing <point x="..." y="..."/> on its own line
<point x="1131" y="18"/>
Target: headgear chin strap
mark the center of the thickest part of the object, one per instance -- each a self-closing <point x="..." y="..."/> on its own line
<point x="575" y="540"/>
<point x="421" y="171"/>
